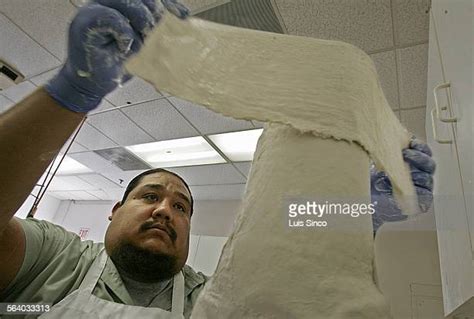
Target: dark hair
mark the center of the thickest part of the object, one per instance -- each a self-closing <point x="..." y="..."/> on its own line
<point x="136" y="180"/>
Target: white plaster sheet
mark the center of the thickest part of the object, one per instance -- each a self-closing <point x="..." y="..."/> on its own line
<point x="329" y="88"/>
<point x="269" y="270"/>
<point x="315" y="92"/>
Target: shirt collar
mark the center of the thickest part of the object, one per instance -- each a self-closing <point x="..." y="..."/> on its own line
<point x="112" y="279"/>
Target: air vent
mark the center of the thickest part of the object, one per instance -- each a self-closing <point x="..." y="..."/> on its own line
<point x="123" y="159"/>
<point x="9" y="73"/>
<point x="9" y="76"/>
<point x="249" y="14"/>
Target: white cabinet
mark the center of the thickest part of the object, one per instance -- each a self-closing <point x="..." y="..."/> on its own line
<point x="450" y="135"/>
<point x="455" y="30"/>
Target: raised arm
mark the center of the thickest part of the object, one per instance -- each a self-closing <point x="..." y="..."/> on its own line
<point x="102" y="36"/>
<point x="31" y="134"/>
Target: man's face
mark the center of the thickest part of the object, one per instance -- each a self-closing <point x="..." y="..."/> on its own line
<point x="154" y="218"/>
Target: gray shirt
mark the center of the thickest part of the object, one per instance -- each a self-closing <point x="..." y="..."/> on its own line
<point x="56" y="262"/>
<point x="148" y="294"/>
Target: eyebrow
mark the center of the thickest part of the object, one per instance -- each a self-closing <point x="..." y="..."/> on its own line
<point x="161" y="187"/>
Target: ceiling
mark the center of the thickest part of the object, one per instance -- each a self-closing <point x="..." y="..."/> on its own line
<point x="33" y="36"/>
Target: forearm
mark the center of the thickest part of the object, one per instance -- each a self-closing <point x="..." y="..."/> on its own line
<point x="31" y="134"/>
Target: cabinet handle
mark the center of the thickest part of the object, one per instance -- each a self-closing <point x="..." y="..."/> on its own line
<point x="447" y="86"/>
<point x="435" y="132"/>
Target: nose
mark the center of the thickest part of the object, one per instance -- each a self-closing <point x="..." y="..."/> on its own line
<point x="163" y="210"/>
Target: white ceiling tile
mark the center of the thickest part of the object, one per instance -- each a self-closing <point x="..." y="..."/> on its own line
<point x="387" y="71"/>
<point x="98" y="181"/>
<point x="114" y="193"/>
<point x="366" y="24"/>
<point x="31" y="16"/>
<point x="63" y="165"/>
<point x="104" y="105"/>
<point x="17" y="92"/>
<point x="161" y="120"/>
<point x="119" y="128"/>
<point x="209" y="174"/>
<point x="412" y="73"/>
<point x="100" y="165"/>
<point x="82" y="195"/>
<point x="134" y="91"/>
<point x="244" y="167"/>
<point x="219" y="174"/>
<point x="43" y="78"/>
<point x="411" y="21"/>
<point x="207" y="121"/>
<point x="100" y="194"/>
<point x="218" y="192"/>
<point x="69" y="183"/>
<point x="93" y="139"/>
<point x="59" y="195"/>
<point x="126" y="177"/>
<point x="21" y="52"/>
<point x="414" y="121"/>
<point x="75" y="148"/>
<point x="5" y="103"/>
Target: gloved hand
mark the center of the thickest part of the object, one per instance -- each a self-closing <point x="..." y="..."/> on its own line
<point x="102" y="36"/>
<point x="422" y="167"/>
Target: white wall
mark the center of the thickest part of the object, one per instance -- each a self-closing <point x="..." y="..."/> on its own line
<point x="90" y="215"/>
<point x="214" y="217"/>
<point x="46" y="209"/>
<point x="204" y="253"/>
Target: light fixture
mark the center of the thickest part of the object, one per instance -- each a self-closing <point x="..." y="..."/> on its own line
<point x="237" y="146"/>
<point x="179" y="152"/>
<point x="69" y="166"/>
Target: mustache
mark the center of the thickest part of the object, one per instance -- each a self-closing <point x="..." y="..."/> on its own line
<point x="168" y="229"/>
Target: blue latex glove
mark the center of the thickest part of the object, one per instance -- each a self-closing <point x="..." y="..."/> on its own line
<point x="422" y="167"/>
<point x="102" y="36"/>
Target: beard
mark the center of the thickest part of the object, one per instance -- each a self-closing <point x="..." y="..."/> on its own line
<point x="143" y="265"/>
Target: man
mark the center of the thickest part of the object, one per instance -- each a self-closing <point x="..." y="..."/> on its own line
<point x="142" y="262"/>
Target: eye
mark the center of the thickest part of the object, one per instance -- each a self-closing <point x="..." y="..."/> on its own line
<point x="151" y="197"/>
<point x="180" y="207"/>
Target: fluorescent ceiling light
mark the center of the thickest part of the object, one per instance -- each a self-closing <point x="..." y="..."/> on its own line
<point x="237" y="146"/>
<point x="179" y="152"/>
<point x="69" y="166"/>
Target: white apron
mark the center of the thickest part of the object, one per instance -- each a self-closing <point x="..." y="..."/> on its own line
<point x="81" y="303"/>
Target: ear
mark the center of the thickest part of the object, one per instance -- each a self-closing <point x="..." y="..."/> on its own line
<point x="116" y="206"/>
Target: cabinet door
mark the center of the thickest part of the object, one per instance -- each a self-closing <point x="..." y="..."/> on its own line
<point x="455" y="30"/>
<point x="449" y="203"/>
